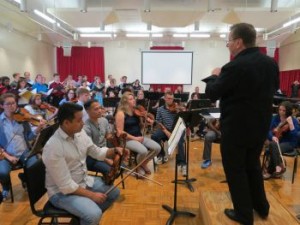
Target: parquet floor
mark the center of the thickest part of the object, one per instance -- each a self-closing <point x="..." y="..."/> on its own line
<point x="141" y="201"/>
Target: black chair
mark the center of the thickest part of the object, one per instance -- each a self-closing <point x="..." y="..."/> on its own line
<point x="35" y="180"/>
<point x="294" y="154"/>
<point x="14" y="167"/>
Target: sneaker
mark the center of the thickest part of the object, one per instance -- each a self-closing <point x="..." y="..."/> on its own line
<point x="5" y="195"/>
<point x="159" y="160"/>
<point x="166" y="159"/>
<point x="206" y="163"/>
<point x="184" y="170"/>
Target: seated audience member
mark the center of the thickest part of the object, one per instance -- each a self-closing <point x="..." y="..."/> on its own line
<point x="83" y="96"/>
<point x="295" y="89"/>
<point x="16" y="77"/>
<point x="85" y="78"/>
<point x="166" y="117"/>
<point x="128" y="122"/>
<point x="68" y="184"/>
<point x="140" y="95"/>
<point x="28" y="80"/>
<point x="97" y="87"/>
<point x="79" y="80"/>
<point x="38" y="107"/>
<point x="5" y="85"/>
<point x="195" y="94"/>
<point x="39" y="85"/>
<point x="70" y="96"/>
<point x="213" y="134"/>
<point x="123" y="82"/>
<point x="85" y="85"/>
<point x="58" y="90"/>
<point x="179" y="90"/>
<point x="136" y="85"/>
<point x="112" y="88"/>
<point x="98" y="129"/>
<point x="283" y="133"/>
<point x="14" y="140"/>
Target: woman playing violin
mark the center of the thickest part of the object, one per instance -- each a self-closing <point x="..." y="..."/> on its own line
<point x="38" y="107"/>
<point x="283" y="133"/>
<point x="70" y="96"/>
<point x="14" y="139"/>
<point x="132" y="124"/>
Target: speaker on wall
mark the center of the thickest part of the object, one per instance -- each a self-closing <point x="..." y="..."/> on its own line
<point x="67" y="51"/>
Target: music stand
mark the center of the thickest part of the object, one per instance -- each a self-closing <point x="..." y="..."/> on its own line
<point x="184" y="97"/>
<point x="187" y="117"/>
<point x="152" y="95"/>
<point x="42" y="139"/>
<point x="173" y="211"/>
<point x="110" y="102"/>
<point x="198" y="103"/>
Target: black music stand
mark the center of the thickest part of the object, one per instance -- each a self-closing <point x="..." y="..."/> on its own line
<point x="173" y="211"/>
<point x="110" y="102"/>
<point x="198" y="103"/>
<point x="184" y="97"/>
<point x="187" y="117"/>
<point x="42" y="139"/>
<point x="153" y="95"/>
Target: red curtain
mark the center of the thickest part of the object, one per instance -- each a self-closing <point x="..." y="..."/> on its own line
<point x="173" y="87"/>
<point x="83" y="61"/>
<point x="286" y="80"/>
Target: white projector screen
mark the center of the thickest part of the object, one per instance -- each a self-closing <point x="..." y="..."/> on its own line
<point x="167" y="67"/>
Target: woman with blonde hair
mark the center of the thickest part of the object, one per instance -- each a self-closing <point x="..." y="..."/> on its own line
<point x="128" y="122"/>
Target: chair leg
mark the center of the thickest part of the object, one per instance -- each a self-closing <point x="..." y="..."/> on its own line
<point x="123" y="181"/>
<point x="295" y="168"/>
<point x="11" y="191"/>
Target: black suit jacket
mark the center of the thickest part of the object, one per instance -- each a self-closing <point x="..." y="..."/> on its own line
<point x="245" y="87"/>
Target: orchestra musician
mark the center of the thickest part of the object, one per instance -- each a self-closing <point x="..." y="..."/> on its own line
<point x="245" y="87"/>
<point x="213" y="134"/>
<point x="70" y="96"/>
<point x="283" y="133"/>
<point x="166" y="116"/>
<point x="97" y="127"/>
<point x="128" y="121"/>
<point x="14" y="141"/>
<point x="73" y="189"/>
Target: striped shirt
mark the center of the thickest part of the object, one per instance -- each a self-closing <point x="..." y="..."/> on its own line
<point x="165" y="117"/>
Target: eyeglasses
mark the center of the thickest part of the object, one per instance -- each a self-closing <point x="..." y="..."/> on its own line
<point x="9" y="103"/>
<point x="230" y="40"/>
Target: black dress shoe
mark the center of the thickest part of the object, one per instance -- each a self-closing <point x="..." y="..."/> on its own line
<point x="230" y="213"/>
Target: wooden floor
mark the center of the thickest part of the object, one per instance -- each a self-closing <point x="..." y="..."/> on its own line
<point x="141" y="202"/>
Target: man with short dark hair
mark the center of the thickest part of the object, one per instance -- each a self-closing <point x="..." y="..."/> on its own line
<point x="68" y="184"/>
<point x="246" y="86"/>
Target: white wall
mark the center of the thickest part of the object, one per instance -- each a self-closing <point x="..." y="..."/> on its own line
<point x="124" y="58"/>
<point x="20" y="53"/>
<point x="289" y="53"/>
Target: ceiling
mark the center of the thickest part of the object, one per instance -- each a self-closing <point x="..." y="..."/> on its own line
<point x="117" y="18"/>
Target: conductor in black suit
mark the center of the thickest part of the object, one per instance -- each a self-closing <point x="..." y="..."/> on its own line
<point x="245" y="87"/>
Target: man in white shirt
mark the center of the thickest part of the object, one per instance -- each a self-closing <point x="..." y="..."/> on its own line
<point x="68" y="184"/>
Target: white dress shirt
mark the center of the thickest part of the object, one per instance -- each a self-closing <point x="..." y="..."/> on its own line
<point x="65" y="160"/>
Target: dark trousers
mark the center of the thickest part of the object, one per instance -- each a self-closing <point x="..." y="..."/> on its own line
<point x="242" y="168"/>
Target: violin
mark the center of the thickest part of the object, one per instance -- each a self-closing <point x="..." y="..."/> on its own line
<point x="280" y="129"/>
<point x="47" y="106"/>
<point x="115" y="170"/>
<point x="174" y="108"/>
<point x="22" y="115"/>
<point x="140" y="111"/>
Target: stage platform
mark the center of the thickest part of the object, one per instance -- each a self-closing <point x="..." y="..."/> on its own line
<point x="213" y="203"/>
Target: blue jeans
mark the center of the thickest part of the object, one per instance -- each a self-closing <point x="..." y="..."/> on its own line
<point x="97" y="166"/>
<point x="6" y="167"/>
<point x="86" y="209"/>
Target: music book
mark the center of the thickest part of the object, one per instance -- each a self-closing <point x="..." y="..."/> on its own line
<point x="25" y="94"/>
<point x="215" y="115"/>
<point x="176" y="135"/>
<point x="48" y="92"/>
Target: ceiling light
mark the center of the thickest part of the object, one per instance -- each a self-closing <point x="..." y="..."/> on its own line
<point x="75" y="36"/>
<point x="23" y="5"/>
<point x="274" y="4"/>
<point x="157" y="35"/>
<point x="44" y="16"/>
<point x="222" y="35"/>
<point x="180" y="35"/>
<point x="102" y="26"/>
<point x="199" y="35"/>
<point x="137" y="35"/>
<point x="83" y="6"/>
<point x="95" y="35"/>
<point x="265" y="36"/>
<point x="291" y="22"/>
<point x="147" y="6"/>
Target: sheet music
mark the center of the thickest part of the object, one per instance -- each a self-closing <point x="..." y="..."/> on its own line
<point x="176" y="135"/>
<point x="215" y="115"/>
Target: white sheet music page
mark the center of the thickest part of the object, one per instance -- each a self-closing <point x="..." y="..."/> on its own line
<point x="215" y="115"/>
<point x="176" y="135"/>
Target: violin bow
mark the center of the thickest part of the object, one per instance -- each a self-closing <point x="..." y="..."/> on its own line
<point x="152" y="152"/>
